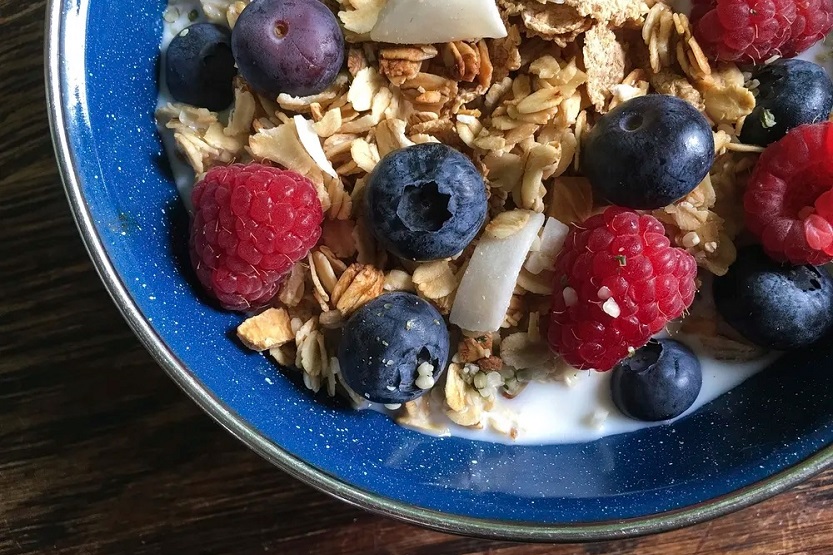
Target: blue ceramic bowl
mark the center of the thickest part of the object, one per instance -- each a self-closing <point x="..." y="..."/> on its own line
<point x="763" y="437"/>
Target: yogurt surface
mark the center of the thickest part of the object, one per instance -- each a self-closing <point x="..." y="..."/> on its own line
<point x="584" y="411"/>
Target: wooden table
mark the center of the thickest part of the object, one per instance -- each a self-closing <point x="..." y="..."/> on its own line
<point x="101" y="453"/>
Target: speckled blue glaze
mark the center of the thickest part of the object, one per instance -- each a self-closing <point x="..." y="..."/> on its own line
<point x="768" y="424"/>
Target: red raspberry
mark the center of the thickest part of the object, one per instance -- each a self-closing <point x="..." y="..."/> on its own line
<point x="742" y="30"/>
<point x="813" y="20"/>
<point x="789" y="197"/>
<point x="618" y="281"/>
<point x="251" y="224"/>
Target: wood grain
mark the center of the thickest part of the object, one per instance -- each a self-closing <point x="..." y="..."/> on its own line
<point x="101" y="453"/>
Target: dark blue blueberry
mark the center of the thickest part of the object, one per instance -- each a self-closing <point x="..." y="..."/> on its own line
<point x="384" y="343"/>
<point x="660" y="381"/>
<point x="425" y="202"/>
<point x="648" y="152"/>
<point x="199" y="66"/>
<point x="791" y="93"/>
<point x="288" y="46"/>
<point x="777" y="306"/>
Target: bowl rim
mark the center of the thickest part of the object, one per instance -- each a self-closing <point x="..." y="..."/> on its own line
<point x="307" y="473"/>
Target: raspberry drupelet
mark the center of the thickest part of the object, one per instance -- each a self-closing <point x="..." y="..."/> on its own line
<point x="813" y="20"/>
<point x="251" y="224"/>
<point x="618" y="281"/>
<point x="756" y="30"/>
<point x="789" y="197"/>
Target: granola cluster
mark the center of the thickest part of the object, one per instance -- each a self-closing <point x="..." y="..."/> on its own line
<point x="518" y="107"/>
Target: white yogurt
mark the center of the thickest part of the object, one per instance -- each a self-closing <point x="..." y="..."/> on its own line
<point x="558" y="413"/>
<point x="546" y="412"/>
<point x="821" y="53"/>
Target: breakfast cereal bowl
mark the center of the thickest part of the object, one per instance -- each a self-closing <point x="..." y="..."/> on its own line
<point x="762" y="437"/>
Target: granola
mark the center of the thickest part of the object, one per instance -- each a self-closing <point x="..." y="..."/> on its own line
<point x="518" y="107"/>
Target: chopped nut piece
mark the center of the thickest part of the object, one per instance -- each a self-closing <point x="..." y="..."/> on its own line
<point x="489" y="364"/>
<point x="356" y="60"/>
<point x="471" y="349"/>
<point x="267" y="330"/>
<point x="401" y="63"/>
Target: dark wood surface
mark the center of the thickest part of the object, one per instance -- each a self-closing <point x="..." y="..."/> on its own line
<point x="101" y="453"/>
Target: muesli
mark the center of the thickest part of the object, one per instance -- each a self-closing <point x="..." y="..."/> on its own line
<point x="438" y="205"/>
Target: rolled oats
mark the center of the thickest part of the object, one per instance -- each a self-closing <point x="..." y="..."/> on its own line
<point x="726" y="99"/>
<point x="521" y="352"/>
<point x="399" y="280"/>
<point x="302" y="104"/>
<point x="507" y="223"/>
<point x="359" y="17"/>
<point x="292" y="290"/>
<point x="538" y="284"/>
<point x="401" y="63"/>
<point x="516" y="311"/>
<point x="464" y="405"/>
<point x="463" y="59"/>
<point x="284" y="355"/>
<point x="390" y="136"/>
<point x="364" y="154"/>
<point x="436" y="282"/>
<point x="417" y="414"/>
<point x="201" y="137"/>
<point x="674" y="84"/>
<point x="217" y="11"/>
<point x="538" y="160"/>
<point x="358" y="285"/>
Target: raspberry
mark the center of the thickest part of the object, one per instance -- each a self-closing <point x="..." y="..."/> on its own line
<point x="813" y="20"/>
<point x="617" y="282"/>
<point x="251" y="224"/>
<point x="742" y="30"/>
<point x="789" y="197"/>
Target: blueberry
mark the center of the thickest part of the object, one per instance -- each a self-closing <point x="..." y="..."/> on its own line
<point x="425" y="202"/>
<point x="199" y="67"/>
<point x="288" y="46"/>
<point x="385" y="342"/>
<point x="791" y="93"/>
<point x="648" y="152"/>
<point x="660" y="381"/>
<point x="777" y="306"/>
